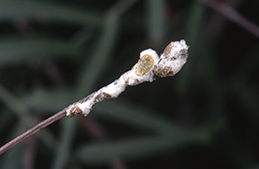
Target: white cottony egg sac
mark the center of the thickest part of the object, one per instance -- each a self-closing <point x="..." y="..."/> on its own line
<point x="149" y="64"/>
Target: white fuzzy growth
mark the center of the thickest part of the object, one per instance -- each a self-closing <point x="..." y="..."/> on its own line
<point x="177" y="57"/>
<point x="175" y="60"/>
<point x="179" y="47"/>
<point x="150" y="52"/>
<point x="85" y="107"/>
<point x="148" y="77"/>
<point x="115" y="88"/>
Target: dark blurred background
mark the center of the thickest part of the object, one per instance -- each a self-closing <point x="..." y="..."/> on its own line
<point x="53" y="53"/>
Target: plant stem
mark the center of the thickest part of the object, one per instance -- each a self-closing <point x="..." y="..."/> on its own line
<point x="33" y="130"/>
<point x="232" y="15"/>
<point x="149" y="64"/>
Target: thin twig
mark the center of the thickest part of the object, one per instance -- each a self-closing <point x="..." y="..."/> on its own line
<point x="218" y="21"/>
<point x="149" y="64"/>
<point x="232" y="15"/>
<point x="37" y="128"/>
<point x="28" y="156"/>
<point x="33" y="130"/>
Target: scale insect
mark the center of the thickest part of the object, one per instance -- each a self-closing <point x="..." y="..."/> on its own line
<point x="74" y="110"/>
<point x="149" y="64"/>
<point x="144" y="65"/>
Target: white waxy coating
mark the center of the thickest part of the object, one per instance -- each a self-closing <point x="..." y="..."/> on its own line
<point x="174" y="57"/>
<point x="115" y="88"/>
<point x="133" y="78"/>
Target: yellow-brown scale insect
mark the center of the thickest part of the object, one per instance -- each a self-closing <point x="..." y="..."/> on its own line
<point x="144" y="65"/>
<point x="166" y="71"/>
<point x="74" y="110"/>
<point x="102" y="96"/>
<point x="168" y="49"/>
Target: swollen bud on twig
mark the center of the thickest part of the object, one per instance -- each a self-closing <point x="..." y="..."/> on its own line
<point x="170" y="62"/>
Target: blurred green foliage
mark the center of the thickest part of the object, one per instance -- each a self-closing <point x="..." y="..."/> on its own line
<point x="53" y="53"/>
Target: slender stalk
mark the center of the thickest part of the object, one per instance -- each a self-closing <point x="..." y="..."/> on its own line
<point x="38" y="127"/>
<point x="33" y="130"/>
<point x="232" y="15"/>
<point x="149" y="64"/>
